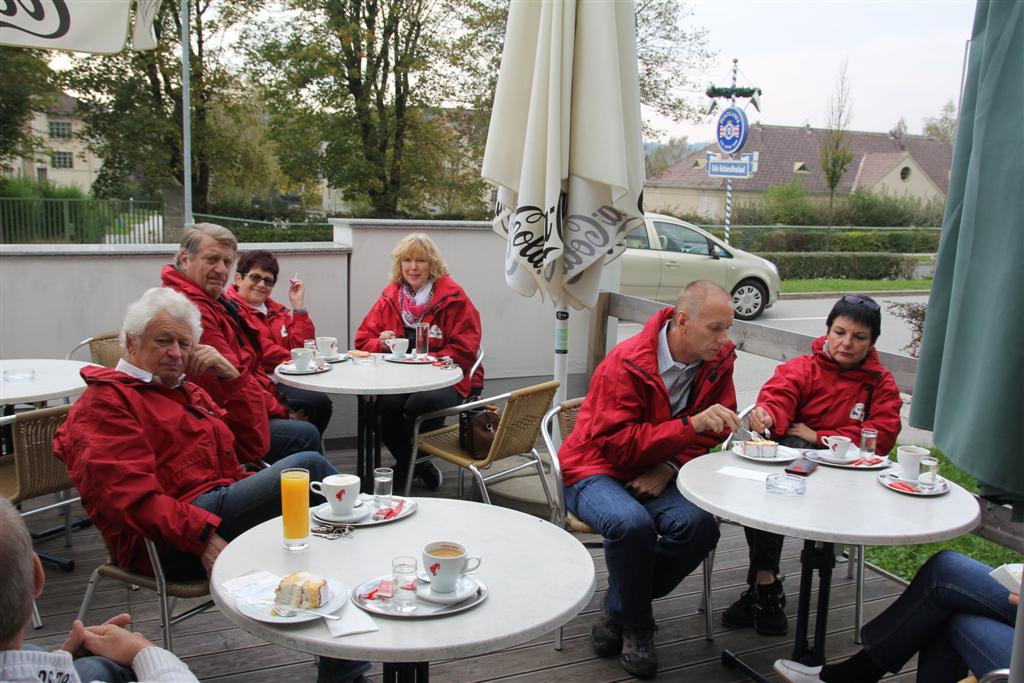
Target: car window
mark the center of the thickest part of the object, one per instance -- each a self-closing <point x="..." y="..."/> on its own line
<point x="637" y="238"/>
<point x="681" y="239"/>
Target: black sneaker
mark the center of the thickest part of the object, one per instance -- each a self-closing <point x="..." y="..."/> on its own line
<point x="638" y="655"/>
<point x="740" y="614"/>
<point x="606" y="636"/>
<point x="769" y="615"/>
<point x="431" y="477"/>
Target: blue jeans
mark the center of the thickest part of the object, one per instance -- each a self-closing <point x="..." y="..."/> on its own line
<point x="954" y="614"/>
<point x="291" y="436"/>
<point x="650" y="546"/>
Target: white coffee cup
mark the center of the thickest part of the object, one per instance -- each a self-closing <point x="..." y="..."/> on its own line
<point x="340" y="490"/>
<point x="398" y="346"/>
<point x="839" y="446"/>
<point x="909" y="460"/>
<point x="302" y="359"/>
<point x="446" y="562"/>
<point x="327" y="347"/>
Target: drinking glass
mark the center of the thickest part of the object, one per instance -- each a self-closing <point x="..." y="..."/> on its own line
<point x="868" y="442"/>
<point x="422" y="339"/>
<point x="403" y="571"/>
<point x="383" y="479"/>
<point x="928" y="478"/>
<point x="311" y="345"/>
<point x="295" y="507"/>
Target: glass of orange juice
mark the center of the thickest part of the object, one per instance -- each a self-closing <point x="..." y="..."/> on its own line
<point x="295" y="507"/>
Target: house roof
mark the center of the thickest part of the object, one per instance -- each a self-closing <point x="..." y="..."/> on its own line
<point x="65" y="104"/>
<point x="783" y="148"/>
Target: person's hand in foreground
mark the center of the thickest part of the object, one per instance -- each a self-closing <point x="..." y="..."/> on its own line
<point x="760" y="420"/>
<point x="715" y="419"/>
<point x="113" y="642"/>
<point x="651" y="483"/>
<point x="208" y="359"/>
<point x="75" y="643"/>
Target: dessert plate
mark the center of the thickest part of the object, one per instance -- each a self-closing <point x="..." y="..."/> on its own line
<point x="340" y="358"/>
<point x="290" y="369"/>
<point x="367" y="504"/>
<point x="847" y="464"/>
<point x="784" y="454"/>
<point x="263" y="610"/>
<point x="410" y="360"/>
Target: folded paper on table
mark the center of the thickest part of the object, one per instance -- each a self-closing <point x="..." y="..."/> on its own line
<point x="1009" y="576"/>
<point x="254" y="586"/>
<point x="743" y="473"/>
<point x="353" y="620"/>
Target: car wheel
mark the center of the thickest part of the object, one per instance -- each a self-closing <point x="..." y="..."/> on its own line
<point x="749" y="299"/>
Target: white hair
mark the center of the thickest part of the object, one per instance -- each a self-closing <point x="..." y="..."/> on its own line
<point x="156" y="300"/>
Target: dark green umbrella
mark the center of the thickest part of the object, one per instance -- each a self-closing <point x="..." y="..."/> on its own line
<point x="970" y="376"/>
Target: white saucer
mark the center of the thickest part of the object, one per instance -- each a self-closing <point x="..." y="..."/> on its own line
<point x="338" y="358"/>
<point x="359" y="513"/>
<point x="465" y="588"/>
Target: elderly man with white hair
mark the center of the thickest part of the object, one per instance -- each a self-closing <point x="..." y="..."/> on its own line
<point x="153" y="456"/>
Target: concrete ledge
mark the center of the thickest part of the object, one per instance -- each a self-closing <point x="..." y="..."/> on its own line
<point x="829" y="295"/>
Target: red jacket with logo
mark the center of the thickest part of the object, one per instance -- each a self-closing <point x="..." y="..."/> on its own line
<point x="450" y="310"/>
<point x="234" y="338"/>
<point x="280" y="328"/>
<point x="139" y="453"/>
<point x="814" y="390"/>
<point x="625" y="425"/>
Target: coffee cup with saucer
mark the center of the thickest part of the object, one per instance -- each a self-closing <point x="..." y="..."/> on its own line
<point x="358" y="513"/>
<point x="465" y="588"/>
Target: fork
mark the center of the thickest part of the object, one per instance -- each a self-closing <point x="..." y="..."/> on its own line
<point x="292" y="611"/>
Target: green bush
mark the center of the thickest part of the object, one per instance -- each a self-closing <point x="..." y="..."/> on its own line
<point x="793" y="241"/>
<point x="848" y="266"/>
<point x="293" y="233"/>
<point x="788" y="204"/>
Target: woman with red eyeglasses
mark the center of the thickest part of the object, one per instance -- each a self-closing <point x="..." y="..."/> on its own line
<point x="838" y="389"/>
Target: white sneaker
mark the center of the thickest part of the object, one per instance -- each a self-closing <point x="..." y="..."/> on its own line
<point x="795" y="672"/>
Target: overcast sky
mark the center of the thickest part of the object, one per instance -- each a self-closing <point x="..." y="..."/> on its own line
<point x="905" y="58"/>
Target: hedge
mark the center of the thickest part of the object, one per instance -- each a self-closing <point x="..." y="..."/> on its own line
<point x="841" y="265"/>
<point x="294" y="233"/>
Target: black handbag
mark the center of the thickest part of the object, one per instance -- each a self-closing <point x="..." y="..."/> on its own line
<point x="477" y="429"/>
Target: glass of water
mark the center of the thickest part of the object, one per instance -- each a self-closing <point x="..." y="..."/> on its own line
<point x="311" y="345"/>
<point x="928" y="479"/>
<point x="383" y="479"/>
<point x="403" y="571"/>
<point x="868" y="442"/>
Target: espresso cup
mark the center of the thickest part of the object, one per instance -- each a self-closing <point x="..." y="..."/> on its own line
<point x="302" y="359"/>
<point x="340" y="490"/>
<point x="838" y="445"/>
<point x="909" y="460"/>
<point x="398" y="346"/>
<point x="327" y="347"/>
<point x="446" y="562"/>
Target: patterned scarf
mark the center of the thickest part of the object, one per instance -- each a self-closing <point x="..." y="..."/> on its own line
<point x="414" y="304"/>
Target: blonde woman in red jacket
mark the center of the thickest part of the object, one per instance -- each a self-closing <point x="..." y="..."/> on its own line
<point x="839" y="389"/>
<point x="421" y="291"/>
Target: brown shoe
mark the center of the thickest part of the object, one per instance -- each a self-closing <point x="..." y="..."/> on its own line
<point x="606" y="635"/>
<point x="638" y="655"/>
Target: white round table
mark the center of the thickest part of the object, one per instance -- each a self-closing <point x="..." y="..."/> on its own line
<point x="53" y="379"/>
<point x="538" y="578"/>
<point x="383" y="377"/>
<point x="839" y="506"/>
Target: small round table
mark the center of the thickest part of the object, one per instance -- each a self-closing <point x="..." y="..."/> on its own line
<point x="53" y="379"/>
<point x="840" y="506"/>
<point x="538" y="578"/>
<point x="366" y="381"/>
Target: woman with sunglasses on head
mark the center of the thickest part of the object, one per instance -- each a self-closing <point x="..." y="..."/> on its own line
<point x="838" y="389"/>
<point x="281" y="329"/>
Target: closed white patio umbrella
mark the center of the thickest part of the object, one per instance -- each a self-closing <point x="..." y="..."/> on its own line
<point x="565" y="150"/>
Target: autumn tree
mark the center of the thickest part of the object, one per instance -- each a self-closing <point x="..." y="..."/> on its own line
<point x="943" y="126"/>
<point x="835" y="150"/>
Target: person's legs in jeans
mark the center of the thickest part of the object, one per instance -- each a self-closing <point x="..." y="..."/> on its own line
<point x="95" y="668"/>
<point x="315" y="405"/>
<point x="399" y="412"/>
<point x="687" y="535"/>
<point x="968" y="641"/>
<point x="291" y="436"/>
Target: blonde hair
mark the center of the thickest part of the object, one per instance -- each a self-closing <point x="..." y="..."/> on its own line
<point x="417" y="243"/>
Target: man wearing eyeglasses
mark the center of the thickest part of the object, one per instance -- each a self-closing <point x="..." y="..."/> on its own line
<point x="201" y="272"/>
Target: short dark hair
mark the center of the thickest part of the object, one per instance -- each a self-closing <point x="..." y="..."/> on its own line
<point x="861" y="309"/>
<point x="261" y="259"/>
<point x="18" y="572"/>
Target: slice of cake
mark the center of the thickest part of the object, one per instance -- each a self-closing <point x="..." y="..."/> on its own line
<point x="303" y="590"/>
<point x="761" y="448"/>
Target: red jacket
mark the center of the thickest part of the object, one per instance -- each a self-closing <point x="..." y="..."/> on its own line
<point x="625" y="425"/>
<point x="450" y="309"/>
<point x="279" y="328"/>
<point x="233" y="337"/>
<point x="139" y="453"/>
<point x="814" y="390"/>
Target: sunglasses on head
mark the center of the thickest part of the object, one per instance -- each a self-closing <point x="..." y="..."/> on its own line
<point x="854" y="299"/>
<point x="256" y="279"/>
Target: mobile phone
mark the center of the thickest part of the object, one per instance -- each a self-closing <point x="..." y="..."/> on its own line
<point x="803" y="467"/>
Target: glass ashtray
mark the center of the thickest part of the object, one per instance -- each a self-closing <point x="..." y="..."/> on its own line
<point x="19" y="375"/>
<point x="785" y="484"/>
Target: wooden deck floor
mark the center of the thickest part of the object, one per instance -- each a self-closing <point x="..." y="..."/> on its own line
<point x="218" y="651"/>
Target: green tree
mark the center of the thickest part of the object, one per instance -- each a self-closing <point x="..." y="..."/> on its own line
<point x="899" y="131"/>
<point x="661" y="157"/>
<point x="28" y="88"/>
<point x="942" y="126"/>
<point x="835" y="150"/>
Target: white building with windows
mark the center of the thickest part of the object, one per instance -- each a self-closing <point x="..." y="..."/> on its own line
<point x="64" y="158"/>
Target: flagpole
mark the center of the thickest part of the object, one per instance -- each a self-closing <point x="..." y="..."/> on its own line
<point x="186" y="116"/>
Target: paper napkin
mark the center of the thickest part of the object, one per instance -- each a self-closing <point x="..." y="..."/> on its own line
<point x="743" y="473"/>
<point x="353" y="620"/>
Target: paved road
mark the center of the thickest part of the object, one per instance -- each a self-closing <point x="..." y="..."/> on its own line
<point x="808" y="317"/>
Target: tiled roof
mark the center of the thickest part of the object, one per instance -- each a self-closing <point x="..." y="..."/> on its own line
<point x="65" y="104"/>
<point x="781" y="148"/>
<point x="873" y="167"/>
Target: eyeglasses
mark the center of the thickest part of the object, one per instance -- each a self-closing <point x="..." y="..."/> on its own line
<point x="256" y="279"/>
<point x="854" y="299"/>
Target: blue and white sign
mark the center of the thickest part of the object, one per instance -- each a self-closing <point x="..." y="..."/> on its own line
<point x="732" y="130"/>
<point x="744" y="167"/>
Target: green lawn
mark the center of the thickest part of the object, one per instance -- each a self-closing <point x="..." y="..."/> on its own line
<point x="836" y="285"/>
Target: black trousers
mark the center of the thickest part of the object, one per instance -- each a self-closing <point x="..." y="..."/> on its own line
<point x="398" y="412"/>
<point x="316" y="405"/>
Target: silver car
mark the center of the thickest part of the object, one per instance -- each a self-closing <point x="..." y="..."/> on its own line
<point x="666" y="254"/>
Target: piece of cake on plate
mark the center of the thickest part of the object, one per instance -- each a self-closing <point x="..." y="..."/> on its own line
<point x="302" y="590"/>
<point x="761" y="448"/>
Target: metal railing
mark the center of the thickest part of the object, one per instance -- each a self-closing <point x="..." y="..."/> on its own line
<point x="30" y="220"/>
<point x="252" y="230"/>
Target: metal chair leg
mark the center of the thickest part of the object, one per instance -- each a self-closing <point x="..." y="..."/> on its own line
<point x="37" y="621"/>
<point x="709" y="627"/>
<point x="480" y="484"/>
<point x="94" y="581"/>
<point x="462" y="473"/>
<point x="850" y="550"/>
<point x="558" y="639"/>
<point x="161" y="593"/>
<point x="858" y="607"/>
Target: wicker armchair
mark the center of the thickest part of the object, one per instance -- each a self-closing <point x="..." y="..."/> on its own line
<point x="516" y="435"/>
<point x="104" y="349"/>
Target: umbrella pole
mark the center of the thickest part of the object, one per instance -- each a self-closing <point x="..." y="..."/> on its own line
<point x="186" y="116"/>
<point x="561" y="370"/>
